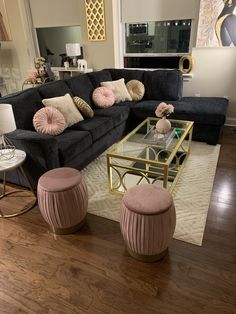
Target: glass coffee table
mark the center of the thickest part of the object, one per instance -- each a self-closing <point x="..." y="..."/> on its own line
<point x="142" y="157"/>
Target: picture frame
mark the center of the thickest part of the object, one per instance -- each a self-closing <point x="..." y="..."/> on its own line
<point x="95" y="18"/>
<point x="5" y="31"/>
<point x="217" y="23"/>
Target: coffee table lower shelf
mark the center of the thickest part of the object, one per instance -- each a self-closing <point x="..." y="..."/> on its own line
<point x="122" y="177"/>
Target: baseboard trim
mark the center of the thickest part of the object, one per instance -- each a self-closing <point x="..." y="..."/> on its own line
<point x="230" y="121"/>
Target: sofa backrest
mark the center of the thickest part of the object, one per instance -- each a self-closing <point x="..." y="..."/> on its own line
<point x="24" y="105"/>
<point x="127" y="74"/>
<point x="54" y="89"/>
<point x="81" y="86"/>
<point x="159" y="84"/>
<point x="163" y="85"/>
<point x="99" y="76"/>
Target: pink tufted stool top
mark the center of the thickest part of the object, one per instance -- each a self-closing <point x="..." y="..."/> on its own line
<point x="147" y="221"/>
<point x="63" y="199"/>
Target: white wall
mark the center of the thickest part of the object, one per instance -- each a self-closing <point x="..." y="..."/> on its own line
<point x="99" y="54"/>
<point x="214" y="74"/>
<point x="158" y="10"/>
<point x="46" y="13"/>
<point x="14" y="62"/>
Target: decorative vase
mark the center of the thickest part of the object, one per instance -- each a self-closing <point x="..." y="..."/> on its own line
<point x="163" y="125"/>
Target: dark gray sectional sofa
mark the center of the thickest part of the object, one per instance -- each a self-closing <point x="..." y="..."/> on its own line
<point x="78" y="145"/>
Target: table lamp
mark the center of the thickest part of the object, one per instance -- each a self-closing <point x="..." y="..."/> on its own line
<point x="7" y="124"/>
<point x="73" y="50"/>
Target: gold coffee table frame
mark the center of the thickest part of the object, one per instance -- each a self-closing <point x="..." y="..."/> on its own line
<point x="148" y="163"/>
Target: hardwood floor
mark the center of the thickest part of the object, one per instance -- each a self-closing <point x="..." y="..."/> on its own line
<point x="90" y="271"/>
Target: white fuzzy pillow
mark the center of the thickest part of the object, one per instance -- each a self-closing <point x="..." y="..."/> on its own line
<point x="66" y="106"/>
<point x="119" y="89"/>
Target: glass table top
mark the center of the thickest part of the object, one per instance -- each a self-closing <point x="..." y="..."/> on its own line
<point x="135" y="144"/>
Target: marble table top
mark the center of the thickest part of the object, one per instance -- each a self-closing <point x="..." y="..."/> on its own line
<point x="12" y="163"/>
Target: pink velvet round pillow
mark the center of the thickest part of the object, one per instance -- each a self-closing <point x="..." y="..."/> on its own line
<point x="49" y="120"/>
<point x="103" y="97"/>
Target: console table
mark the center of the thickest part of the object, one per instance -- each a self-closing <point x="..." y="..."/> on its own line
<point x="64" y="73"/>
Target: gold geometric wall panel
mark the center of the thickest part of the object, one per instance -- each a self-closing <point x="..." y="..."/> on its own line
<point x="95" y="17"/>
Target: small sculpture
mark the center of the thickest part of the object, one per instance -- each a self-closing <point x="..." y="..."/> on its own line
<point x="82" y="64"/>
<point x="39" y="64"/>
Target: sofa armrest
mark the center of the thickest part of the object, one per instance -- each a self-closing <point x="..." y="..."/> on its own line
<point x="41" y="149"/>
<point x="36" y="146"/>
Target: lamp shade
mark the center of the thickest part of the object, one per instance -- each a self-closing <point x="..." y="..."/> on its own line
<point x="7" y="120"/>
<point x="73" y="50"/>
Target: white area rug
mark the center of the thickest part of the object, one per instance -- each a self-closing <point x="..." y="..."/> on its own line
<point x="191" y="195"/>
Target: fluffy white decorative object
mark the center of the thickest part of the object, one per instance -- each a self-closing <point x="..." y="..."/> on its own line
<point x="119" y="89"/>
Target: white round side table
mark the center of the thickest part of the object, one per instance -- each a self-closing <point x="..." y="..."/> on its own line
<point x="8" y="165"/>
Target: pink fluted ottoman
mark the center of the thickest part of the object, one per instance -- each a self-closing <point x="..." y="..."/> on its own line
<point x="63" y="199"/>
<point x="147" y="221"/>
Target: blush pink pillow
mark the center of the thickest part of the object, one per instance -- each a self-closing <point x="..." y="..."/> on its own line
<point x="50" y="121"/>
<point x="103" y="97"/>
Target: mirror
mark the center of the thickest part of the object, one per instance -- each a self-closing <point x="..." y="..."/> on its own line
<point x="52" y="42"/>
<point x="158" y="37"/>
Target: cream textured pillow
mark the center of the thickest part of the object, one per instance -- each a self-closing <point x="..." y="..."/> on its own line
<point x="66" y="106"/>
<point x="119" y="89"/>
<point x="83" y="107"/>
<point x="136" y="89"/>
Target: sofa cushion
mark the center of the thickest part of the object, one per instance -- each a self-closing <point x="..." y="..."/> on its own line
<point x="81" y="86"/>
<point x="145" y="108"/>
<point x="129" y="104"/>
<point x="163" y="84"/>
<point x="54" y="89"/>
<point x="99" y="76"/>
<point x="97" y="126"/>
<point x="66" y="106"/>
<point x="24" y="104"/>
<point x="117" y="114"/>
<point x="127" y="74"/>
<point x="71" y="144"/>
<point x="50" y="121"/>
<point x="203" y="110"/>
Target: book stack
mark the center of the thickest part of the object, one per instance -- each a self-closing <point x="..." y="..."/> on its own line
<point x="155" y="138"/>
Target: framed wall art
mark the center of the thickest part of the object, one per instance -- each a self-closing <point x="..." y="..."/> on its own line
<point x="217" y="23"/>
<point x="5" y="33"/>
<point x="95" y="17"/>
